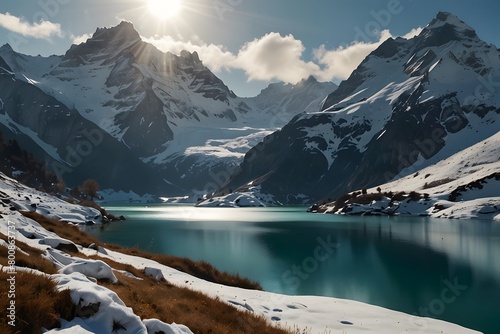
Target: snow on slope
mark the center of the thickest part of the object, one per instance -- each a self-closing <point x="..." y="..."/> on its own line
<point x="77" y="274"/>
<point x="314" y="314"/>
<point x="473" y="163"/>
<point x="471" y="176"/>
<point x="19" y="197"/>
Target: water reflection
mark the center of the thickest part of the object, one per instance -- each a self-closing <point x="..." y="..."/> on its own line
<point x="399" y="263"/>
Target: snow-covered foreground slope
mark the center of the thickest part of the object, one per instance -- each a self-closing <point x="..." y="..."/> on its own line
<point x="466" y="186"/>
<point x="313" y="314"/>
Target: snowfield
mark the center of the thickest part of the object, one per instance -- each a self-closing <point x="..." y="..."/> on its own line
<point x="310" y="313"/>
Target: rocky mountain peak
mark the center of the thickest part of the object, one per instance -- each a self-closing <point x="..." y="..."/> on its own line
<point x="443" y="29"/>
<point x="189" y="58"/>
<point x="6" y="48"/>
<point x="418" y="54"/>
<point x="122" y="33"/>
<point x="445" y="18"/>
<point x="372" y="127"/>
<point x="311" y="80"/>
<point x="112" y="39"/>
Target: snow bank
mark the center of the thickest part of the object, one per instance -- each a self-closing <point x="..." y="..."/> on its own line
<point x="99" y="309"/>
<point x="156" y="326"/>
<point x="481" y="208"/>
<point x="91" y="268"/>
<point x="233" y="200"/>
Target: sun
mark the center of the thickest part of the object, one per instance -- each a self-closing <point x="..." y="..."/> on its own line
<point x="164" y="9"/>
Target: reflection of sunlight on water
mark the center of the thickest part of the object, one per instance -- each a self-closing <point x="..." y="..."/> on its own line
<point x="191" y="213"/>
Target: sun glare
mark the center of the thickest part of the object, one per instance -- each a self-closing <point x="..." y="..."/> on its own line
<point x="164" y="9"/>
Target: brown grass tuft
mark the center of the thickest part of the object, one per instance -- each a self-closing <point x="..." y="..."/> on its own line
<point x="33" y="259"/>
<point x="62" y="229"/>
<point x="202" y="314"/>
<point x="38" y="303"/>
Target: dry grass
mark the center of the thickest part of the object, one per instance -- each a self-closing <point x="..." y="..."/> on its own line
<point x="38" y="303"/>
<point x="62" y="229"/>
<point x="202" y="314"/>
<point x="200" y="269"/>
<point x="33" y="259"/>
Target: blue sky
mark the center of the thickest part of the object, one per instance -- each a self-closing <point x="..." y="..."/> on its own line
<point x="247" y="43"/>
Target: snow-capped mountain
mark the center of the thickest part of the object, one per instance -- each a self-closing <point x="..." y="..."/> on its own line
<point x="409" y="104"/>
<point x="169" y="111"/>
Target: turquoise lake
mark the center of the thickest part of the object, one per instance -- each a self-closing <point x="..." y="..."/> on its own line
<point x="445" y="269"/>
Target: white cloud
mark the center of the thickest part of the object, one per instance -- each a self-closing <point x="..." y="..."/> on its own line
<point x="276" y="57"/>
<point x="215" y="57"/>
<point x="414" y="32"/>
<point x="42" y="29"/>
<point x="339" y="63"/>
<point x="80" y="39"/>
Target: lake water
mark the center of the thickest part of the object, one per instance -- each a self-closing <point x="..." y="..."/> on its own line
<point x="446" y="269"/>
